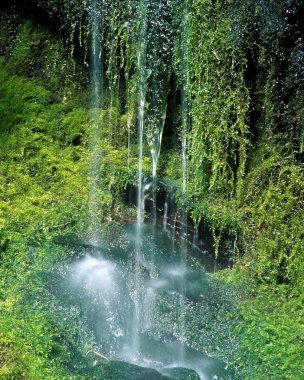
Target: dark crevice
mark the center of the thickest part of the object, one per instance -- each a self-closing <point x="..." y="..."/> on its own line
<point x="170" y="136"/>
<point x="29" y="10"/>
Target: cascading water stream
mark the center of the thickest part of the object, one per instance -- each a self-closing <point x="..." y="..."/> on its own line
<point x="129" y="96"/>
<point x="184" y="105"/>
<point x="165" y="222"/>
<point x="101" y="284"/>
<point x="113" y="74"/>
<point x="97" y="95"/>
<point x="195" y="236"/>
<point x="159" y="67"/>
<point x="184" y="133"/>
<point x="142" y="45"/>
<point x="147" y="280"/>
<point x="112" y="83"/>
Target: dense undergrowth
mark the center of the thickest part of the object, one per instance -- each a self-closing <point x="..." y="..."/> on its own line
<point x="248" y="169"/>
<point x="245" y="172"/>
<point x="45" y="166"/>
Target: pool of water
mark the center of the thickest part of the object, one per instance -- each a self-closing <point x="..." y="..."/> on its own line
<point x="150" y="301"/>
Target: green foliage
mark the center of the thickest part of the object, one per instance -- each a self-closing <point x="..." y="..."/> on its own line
<point x="272" y="335"/>
<point x="270" y="328"/>
<point x="45" y="177"/>
<point x="219" y="102"/>
<point x="38" y="181"/>
<point x="273" y="213"/>
<point x="245" y="80"/>
<point x="245" y="167"/>
<point x="43" y="196"/>
<point x="37" y="54"/>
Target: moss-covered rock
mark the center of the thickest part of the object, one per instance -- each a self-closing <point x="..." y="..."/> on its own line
<point x="113" y="370"/>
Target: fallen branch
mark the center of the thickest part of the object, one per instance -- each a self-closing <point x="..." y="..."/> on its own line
<point x="97" y="354"/>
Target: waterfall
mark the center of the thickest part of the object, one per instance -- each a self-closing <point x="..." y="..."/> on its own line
<point x="145" y="296"/>
<point x="113" y="73"/>
<point x="184" y="133"/>
<point x="97" y="99"/>
<point x="184" y="100"/>
<point x="159" y="54"/>
<point x="165" y="216"/>
<point x="142" y="45"/>
<point x="141" y="108"/>
<point x="152" y="77"/>
<point x="195" y="235"/>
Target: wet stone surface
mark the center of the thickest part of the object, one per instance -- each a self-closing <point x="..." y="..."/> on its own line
<point x="149" y="302"/>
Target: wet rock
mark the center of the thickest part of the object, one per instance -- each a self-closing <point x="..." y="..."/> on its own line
<point x="179" y="373"/>
<point x="113" y="370"/>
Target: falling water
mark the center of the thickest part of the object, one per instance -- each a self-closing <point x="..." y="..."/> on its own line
<point x="129" y="90"/>
<point x="184" y="98"/>
<point x="141" y="108"/>
<point x="195" y="235"/>
<point x="129" y="139"/>
<point x="234" y="250"/>
<point x="113" y="73"/>
<point x="143" y="292"/>
<point x="112" y="80"/>
<point x="159" y="55"/>
<point x="97" y="92"/>
<point x="96" y="55"/>
<point x="142" y="44"/>
<point x="165" y="216"/>
<point x="155" y="153"/>
<point x="101" y="282"/>
<point x="184" y="132"/>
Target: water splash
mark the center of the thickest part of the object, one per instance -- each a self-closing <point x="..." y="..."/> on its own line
<point x="98" y="282"/>
<point x="152" y="78"/>
<point x="104" y="287"/>
<point x="95" y="274"/>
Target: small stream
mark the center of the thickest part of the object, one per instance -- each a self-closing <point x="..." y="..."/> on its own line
<point x="158" y="308"/>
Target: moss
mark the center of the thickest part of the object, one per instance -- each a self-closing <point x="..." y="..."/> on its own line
<point x="270" y="329"/>
<point x="245" y="153"/>
<point x="33" y="51"/>
<point x="245" y="178"/>
<point x="44" y="182"/>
